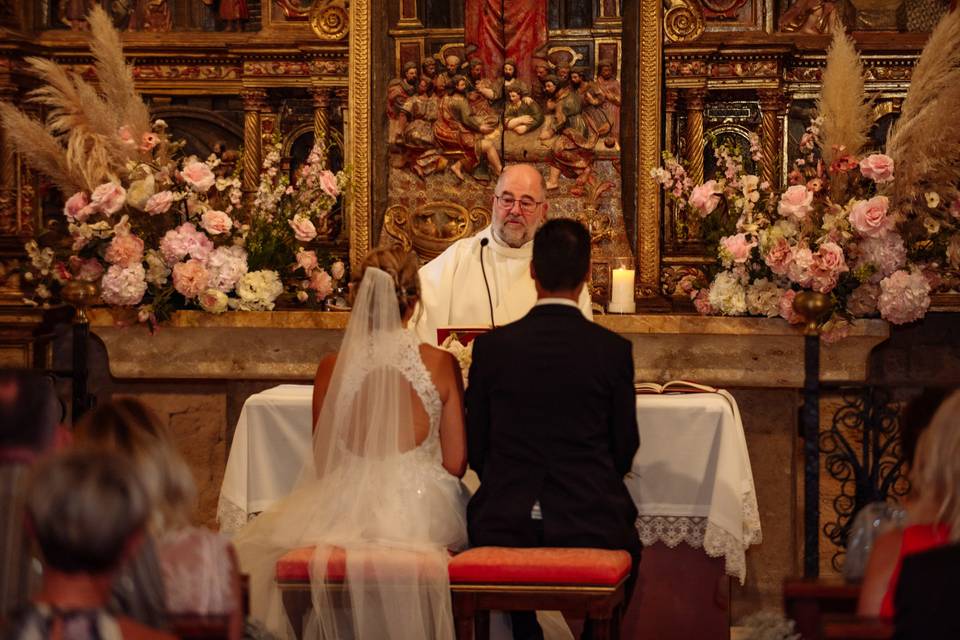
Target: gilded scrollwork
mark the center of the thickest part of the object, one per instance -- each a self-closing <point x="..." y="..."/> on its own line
<point x="683" y="20"/>
<point x="433" y="227"/>
<point x="329" y="19"/>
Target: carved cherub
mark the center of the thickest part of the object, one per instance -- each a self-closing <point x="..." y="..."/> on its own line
<point x="810" y="17"/>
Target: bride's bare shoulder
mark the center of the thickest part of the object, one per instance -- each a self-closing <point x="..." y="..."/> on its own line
<point x="325" y="368"/>
<point x="437" y="360"/>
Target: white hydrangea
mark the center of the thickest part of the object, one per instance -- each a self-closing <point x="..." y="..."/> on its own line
<point x="728" y="295"/>
<point x="226" y="266"/>
<point x="157" y="269"/>
<point x="763" y="298"/>
<point x="257" y="290"/>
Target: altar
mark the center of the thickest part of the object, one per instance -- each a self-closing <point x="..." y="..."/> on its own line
<point x="691" y="479"/>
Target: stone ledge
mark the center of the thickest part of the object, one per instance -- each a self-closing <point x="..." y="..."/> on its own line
<point x="287" y="345"/>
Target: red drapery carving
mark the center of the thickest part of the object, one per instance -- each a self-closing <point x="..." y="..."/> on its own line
<point x="521" y="31"/>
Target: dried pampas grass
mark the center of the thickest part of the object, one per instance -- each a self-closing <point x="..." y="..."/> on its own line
<point x="79" y="146"/>
<point x="925" y="141"/>
<point x="843" y="104"/>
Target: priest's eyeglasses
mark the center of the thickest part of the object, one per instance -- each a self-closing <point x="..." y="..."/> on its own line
<point x="527" y="205"/>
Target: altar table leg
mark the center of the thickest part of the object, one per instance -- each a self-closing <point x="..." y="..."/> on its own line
<point x="676" y="597"/>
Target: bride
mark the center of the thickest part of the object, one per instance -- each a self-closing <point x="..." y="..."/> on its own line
<point x="383" y="482"/>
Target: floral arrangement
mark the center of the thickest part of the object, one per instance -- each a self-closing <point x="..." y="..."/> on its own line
<point x="768" y="625"/>
<point x="875" y="231"/>
<point x="154" y="229"/>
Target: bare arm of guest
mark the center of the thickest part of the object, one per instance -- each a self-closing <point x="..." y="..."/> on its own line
<point x="321" y="383"/>
<point x="876" y="579"/>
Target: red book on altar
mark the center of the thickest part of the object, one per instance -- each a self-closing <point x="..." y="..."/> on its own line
<point x="464" y="335"/>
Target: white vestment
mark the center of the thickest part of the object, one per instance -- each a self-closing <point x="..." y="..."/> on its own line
<point x="453" y="292"/>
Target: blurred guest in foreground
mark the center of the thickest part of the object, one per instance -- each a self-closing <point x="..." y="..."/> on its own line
<point x="86" y="511"/>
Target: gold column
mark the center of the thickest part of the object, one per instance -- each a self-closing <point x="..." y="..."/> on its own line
<point x="8" y="176"/>
<point x="254" y="101"/>
<point x="671" y="96"/>
<point x="321" y="122"/>
<point x="772" y="105"/>
<point x="694" y="99"/>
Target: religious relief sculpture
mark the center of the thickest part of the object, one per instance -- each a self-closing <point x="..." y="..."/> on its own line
<point x="571" y="138"/>
<point x="609" y="87"/>
<point x="234" y="13"/>
<point x="150" y="15"/>
<point x="458" y="129"/>
<point x="810" y="17"/>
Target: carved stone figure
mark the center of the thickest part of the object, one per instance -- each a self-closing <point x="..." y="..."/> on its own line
<point x="810" y="17"/>
<point x="481" y="93"/>
<point x="458" y="129"/>
<point x="609" y="86"/>
<point x="572" y="148"/>
<point x="522" y="114"/>
<point x="398" y="91"/>
<point x="150" y="15"/>
<point x="428" y="67"/>
<point x="445" y="77"/>
<point x="593" y="101"/>
<point x="420" y="112"/>
<point x="233" y="13"/>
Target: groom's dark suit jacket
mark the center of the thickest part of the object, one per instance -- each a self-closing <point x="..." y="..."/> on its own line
<point x="551" y="417"/>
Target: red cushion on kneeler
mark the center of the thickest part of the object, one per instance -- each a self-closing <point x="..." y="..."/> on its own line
<point x="294" y="566"/>
<point x="545" y="566"/>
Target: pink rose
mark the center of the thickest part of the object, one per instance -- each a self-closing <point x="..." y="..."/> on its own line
<point x="738" y="247"/>
<point x="322" y="283"/>
<point x="877" y="167"/>
<point x="786" y="307"/>
<point x="108" y="198"/>
<point x="328" y="182"/>
<point x="148" y="141"/>
<point x="125" y="249"/>
<point x="75" y="205"/>
<point x="869" y="217"/>
<point x="779" y="256"/>
<point x="701" y="302"/>
<point x="795" y="202"/>
<point x="800" y="266"/>
<point x="88" y="269"/>
<point x="198" y="176"/>
<point x="705" y="198"/>
<point x="904" y="297"/>
<point x="307" y="260"/>
<point x="828" y="264"/>
<point x="303" y="228"/>
<point x="159" y="203"/>
<point x="337" y="269"/>
<point x="190" y="278"/>
<point x="216" y="222"/>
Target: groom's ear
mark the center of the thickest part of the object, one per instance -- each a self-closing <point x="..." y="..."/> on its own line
<point x="533" y="271"/>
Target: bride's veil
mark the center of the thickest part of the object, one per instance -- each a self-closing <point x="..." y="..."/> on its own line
<point x="358" y="493"/>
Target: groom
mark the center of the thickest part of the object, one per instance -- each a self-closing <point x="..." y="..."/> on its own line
<point x="551" y="419"/>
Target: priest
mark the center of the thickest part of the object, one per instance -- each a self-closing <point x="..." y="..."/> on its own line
<point x="484" y="280"/>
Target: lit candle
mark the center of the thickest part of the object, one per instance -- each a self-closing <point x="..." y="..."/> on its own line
<point x="621" y="298"/>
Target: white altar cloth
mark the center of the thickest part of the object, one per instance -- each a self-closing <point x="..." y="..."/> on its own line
<point x="691" y="478"/>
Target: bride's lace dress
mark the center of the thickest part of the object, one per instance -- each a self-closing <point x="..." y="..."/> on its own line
<point x="371" y="489"/>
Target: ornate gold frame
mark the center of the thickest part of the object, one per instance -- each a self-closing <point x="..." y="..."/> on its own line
<point x="649" y="124"/>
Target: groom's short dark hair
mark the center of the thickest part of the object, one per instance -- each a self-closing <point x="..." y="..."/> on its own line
<point x="561" y="254"/>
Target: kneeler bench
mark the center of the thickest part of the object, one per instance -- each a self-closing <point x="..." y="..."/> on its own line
<point x="585" y="583"/>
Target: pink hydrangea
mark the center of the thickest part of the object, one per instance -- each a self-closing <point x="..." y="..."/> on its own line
<point x="108" y="198"/>
<point x="185" y="240"/>
<point x="705" y="197"/>
<point x="904" y="297"/>
<point x="877" y="167"/>
<point x="786" y="307"/>
<point x="328" y="182"/>
<point x="701" y="302"/>
<point x="199" y="176"/>
<point x="190" y="278"/>
<point x="159" y="203"/>
<point x="303" y="228"/>
<point x="886" y="254"/>
<point x="322" y="283"/>
<point x="834" y="330"/>
<point x="869" y="217"/>
<point x="800" y="267"/>
<point x="307" y="260"/>
<point x="88" y="269"/>
<point x="796" y="202"/>
<point x="226" y="266"/>
<point x="123" y="286"/>
<point x="125" y="249"/>
<point x="738" y="247"/>
<point x="216" y="222"/>
<point x="863" y="300"/>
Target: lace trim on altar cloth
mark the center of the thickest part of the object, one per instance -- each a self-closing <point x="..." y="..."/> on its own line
<point x="231" y="517"/>
<point x="699" y="532"/>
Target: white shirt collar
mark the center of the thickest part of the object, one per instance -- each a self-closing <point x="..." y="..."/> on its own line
<point x="564" y="301"/>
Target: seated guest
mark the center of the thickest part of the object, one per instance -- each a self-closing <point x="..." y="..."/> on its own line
<point x="28" y="419"/>
<point x="933" y="516"/>
<point x="86" y="510"/>
<point x="551" y="419"/>
<point x="181" y="569"/>
<point x="926" y="597"/>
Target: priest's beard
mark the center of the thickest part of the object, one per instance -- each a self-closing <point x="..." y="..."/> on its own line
<point x="513" y="235"/>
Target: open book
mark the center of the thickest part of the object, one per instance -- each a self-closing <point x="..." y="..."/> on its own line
<point x="463" y="335"/>
<point x="674" y="386"/>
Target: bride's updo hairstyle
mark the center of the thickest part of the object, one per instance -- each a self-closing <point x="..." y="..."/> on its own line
<point x="402" y="267"/>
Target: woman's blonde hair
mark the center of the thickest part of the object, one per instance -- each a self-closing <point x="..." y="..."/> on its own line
<point x="403" y="267"/>
<point x="936" y="467"/>
<point x="129" y="427"/>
